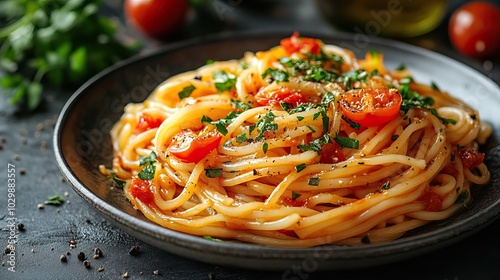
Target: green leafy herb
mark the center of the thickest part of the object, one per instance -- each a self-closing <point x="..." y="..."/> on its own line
<point x="385" y="186"/>
<point x="414" y="99"/>
<point x="300" y="167"/>
<point x="149" y="169"/>
<point x="351" y="123"/>
<point x="119" y="182"/>
<point x="212" y="239"/>
<point x="265" y="146"/>
<point x="266" y="124"/>
<point x="210" y="61"/>
<point x="213" y="172"/>
<point x="313" y="181"/>
<point x="277" y="75"/>
<point x="241" y="138"/>
<point x="55" y="200"/>
<point x="224" y="82"/>
<point x="240" y="105"/>
<point x="56" y="44"/>
<point x="401" y="67"/>
<point x="186" y="91"/>
<point x="220" y="125"/>
<point x="316" y="144"/>
<point x="462" y="197"/>
<point x="346" y="142"/>
<point x="434" y="86"/>
<point x="295" y="195"/>
<point x="299" y="118"/>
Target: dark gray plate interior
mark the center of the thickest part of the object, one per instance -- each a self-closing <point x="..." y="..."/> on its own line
<point x="82" y="143"/>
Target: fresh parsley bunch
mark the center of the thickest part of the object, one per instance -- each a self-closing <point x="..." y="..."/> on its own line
<point x="58" y="43"/>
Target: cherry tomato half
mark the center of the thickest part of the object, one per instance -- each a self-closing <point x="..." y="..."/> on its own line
<point x="156" y="18"/>
<point x="371" y="107"/>
<point x="141" y="190"/>
<point x="296" y="44"/>
<point x="190" y="147"/>
<point x="474" y="29"/>
<point x="282" y="94"/>
<point x="146" y="122"/>
<point x="331" y="153"/>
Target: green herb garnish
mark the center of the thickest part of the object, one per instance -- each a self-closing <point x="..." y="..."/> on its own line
<point x="186" y="91"/>
<point x="149" y="169"/>
<point x="346" y="142"/>
<point x="55" y="200"/>
<point x="295" y="195"/>
<point x="300" y="167"/>
<point x="213" y="172"/>
<point x="119" y="182"/>
<point x="224" y="82"/>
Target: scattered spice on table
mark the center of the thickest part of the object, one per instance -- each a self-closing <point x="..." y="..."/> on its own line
<point x="100" y="268"/>
<point x="81" y="256"/>
<point x="97" y="253"/>
<point x="22" y="170"/>
<point x="86" y="263"/>
<point x="21" y="227"/>
<point x="125" y="275"/>
<point x="40" y="206"/>
<point x="63" y="258"/>
<point x="135" y="250"/>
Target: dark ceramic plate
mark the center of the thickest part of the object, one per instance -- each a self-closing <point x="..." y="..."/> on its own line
<point x="82" y="140"/>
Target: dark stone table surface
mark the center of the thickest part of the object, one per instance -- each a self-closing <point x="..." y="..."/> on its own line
<point x="46" y="234"/>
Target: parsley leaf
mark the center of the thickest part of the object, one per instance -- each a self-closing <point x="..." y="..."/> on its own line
<point x="186" y="91"/>
<point x="55" y="200"/>
<point x="213" y="172"/>
<point x="346" y="142"/>
<point x="223" y="82"/>
<point x="277" y="75"/>
<point x="119" y="182"/>
<point x="148" y="171"/>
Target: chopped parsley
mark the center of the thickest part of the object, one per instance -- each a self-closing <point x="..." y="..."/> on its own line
<point x="313" y="181"/>
<point x="119" y="182"/>
<point x="346" y="142"/>
<point x="224" y="82"/>
<point x="186" y="91"/>
<point x="266" y="124"/>
<point x="414" y="99"/>
<point x="462" y="197"/>
<point x="149" y="169"/>
<point x="55" y="200"/>
<point x="213" y="172"/>
<point x="300" y="167"/>
<point x="265" y="146"/>
<point x="386" y="186"/>
<point x="295" y="195"/>
<point x="276" y="74"/>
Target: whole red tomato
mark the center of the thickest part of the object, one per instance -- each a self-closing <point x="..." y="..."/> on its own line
<point x="474" y="29"/>
<point x="156" y="18"/>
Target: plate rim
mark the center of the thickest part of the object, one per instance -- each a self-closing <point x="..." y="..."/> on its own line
<point x="118" y="217"/>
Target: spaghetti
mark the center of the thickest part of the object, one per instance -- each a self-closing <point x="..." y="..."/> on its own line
<point x="297" y="146"/>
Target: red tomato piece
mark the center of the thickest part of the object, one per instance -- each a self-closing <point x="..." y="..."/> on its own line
<point x="331" y="153"/>
<point x="474" y="29"/>
<point x="282" y="94"/>
<point x="190" y="147"/>
<point x="470" y="158"/>
<point x="141" y="190"/>
<point x="293" y="202"/>
<point x="156" y="18"/>
<point x="147" y="122"/>
<point x="295" y="43"/>
<point x="371" y="107"/>
<point x="433" y="201"/>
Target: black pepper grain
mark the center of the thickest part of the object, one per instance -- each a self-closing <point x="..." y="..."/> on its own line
<point x="86" y="263"/>
<point x="81" y="256"/>
<point x="21" y="227"/>
<point x="63" y="258"/>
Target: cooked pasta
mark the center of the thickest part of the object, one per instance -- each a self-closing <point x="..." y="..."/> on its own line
<point x="299" y="145"/>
